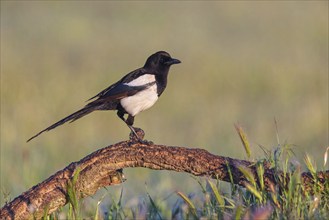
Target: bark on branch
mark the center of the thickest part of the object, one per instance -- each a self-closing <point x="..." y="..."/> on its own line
<point x="104" y="168"/>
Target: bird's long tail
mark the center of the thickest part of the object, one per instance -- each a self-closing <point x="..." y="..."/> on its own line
<point x="75" y="116"/>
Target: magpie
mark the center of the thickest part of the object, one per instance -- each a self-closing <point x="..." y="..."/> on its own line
<point x="134" y="93"/>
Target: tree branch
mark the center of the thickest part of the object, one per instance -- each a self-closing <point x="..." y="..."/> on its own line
<point x="104" y="167"/>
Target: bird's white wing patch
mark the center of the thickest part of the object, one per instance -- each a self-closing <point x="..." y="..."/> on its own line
<point x="143" y="99"/>
<point x="142" y="80"/>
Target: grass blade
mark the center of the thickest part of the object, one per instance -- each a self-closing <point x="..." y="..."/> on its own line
<point x="244" y="139"/>
<point x="255" y="192"/>
<point x="189" y="203"/>
<point x="249" y="176"/>
<point x="260" y="173"/>
<point x="218" y="197"/>
<point x="310" y="164"/>
<point x="72" y="194"/>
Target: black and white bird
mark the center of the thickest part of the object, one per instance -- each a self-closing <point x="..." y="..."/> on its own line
<point x="134" y="93"/>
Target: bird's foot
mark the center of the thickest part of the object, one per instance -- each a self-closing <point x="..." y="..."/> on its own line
<point x="137" y="135"/>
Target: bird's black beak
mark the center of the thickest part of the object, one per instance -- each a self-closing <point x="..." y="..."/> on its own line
<point x="172" y="61"/>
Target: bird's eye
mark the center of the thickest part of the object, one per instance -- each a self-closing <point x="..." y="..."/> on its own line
<point x="162" y="60"/>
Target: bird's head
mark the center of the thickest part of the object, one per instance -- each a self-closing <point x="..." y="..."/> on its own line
<point x="160" y="61"/>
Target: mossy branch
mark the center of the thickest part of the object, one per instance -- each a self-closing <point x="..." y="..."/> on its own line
<point x="104" y="168"/>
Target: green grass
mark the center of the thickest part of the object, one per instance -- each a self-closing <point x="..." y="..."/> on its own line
<point x="74" y="206"/>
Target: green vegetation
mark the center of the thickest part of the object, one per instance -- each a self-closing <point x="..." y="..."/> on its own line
<point x="74" y="206"/>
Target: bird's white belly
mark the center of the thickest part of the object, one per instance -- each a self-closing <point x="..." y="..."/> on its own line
<point x="140" y="101"/>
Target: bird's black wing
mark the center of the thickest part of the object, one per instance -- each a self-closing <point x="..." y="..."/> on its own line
<point x="104" y="91"/>
<point x="126" y="79"/>
<point x="118" y="92"/>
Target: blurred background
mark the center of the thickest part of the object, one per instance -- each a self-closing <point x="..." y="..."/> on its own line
<point x="242" y="62"/>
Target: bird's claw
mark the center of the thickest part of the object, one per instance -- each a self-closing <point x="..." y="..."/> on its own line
<point x="137" y="135"/>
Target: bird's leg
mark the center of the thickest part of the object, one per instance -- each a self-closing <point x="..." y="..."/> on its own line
<point x="140" y="135"/>
<point x="129" y="122"/>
